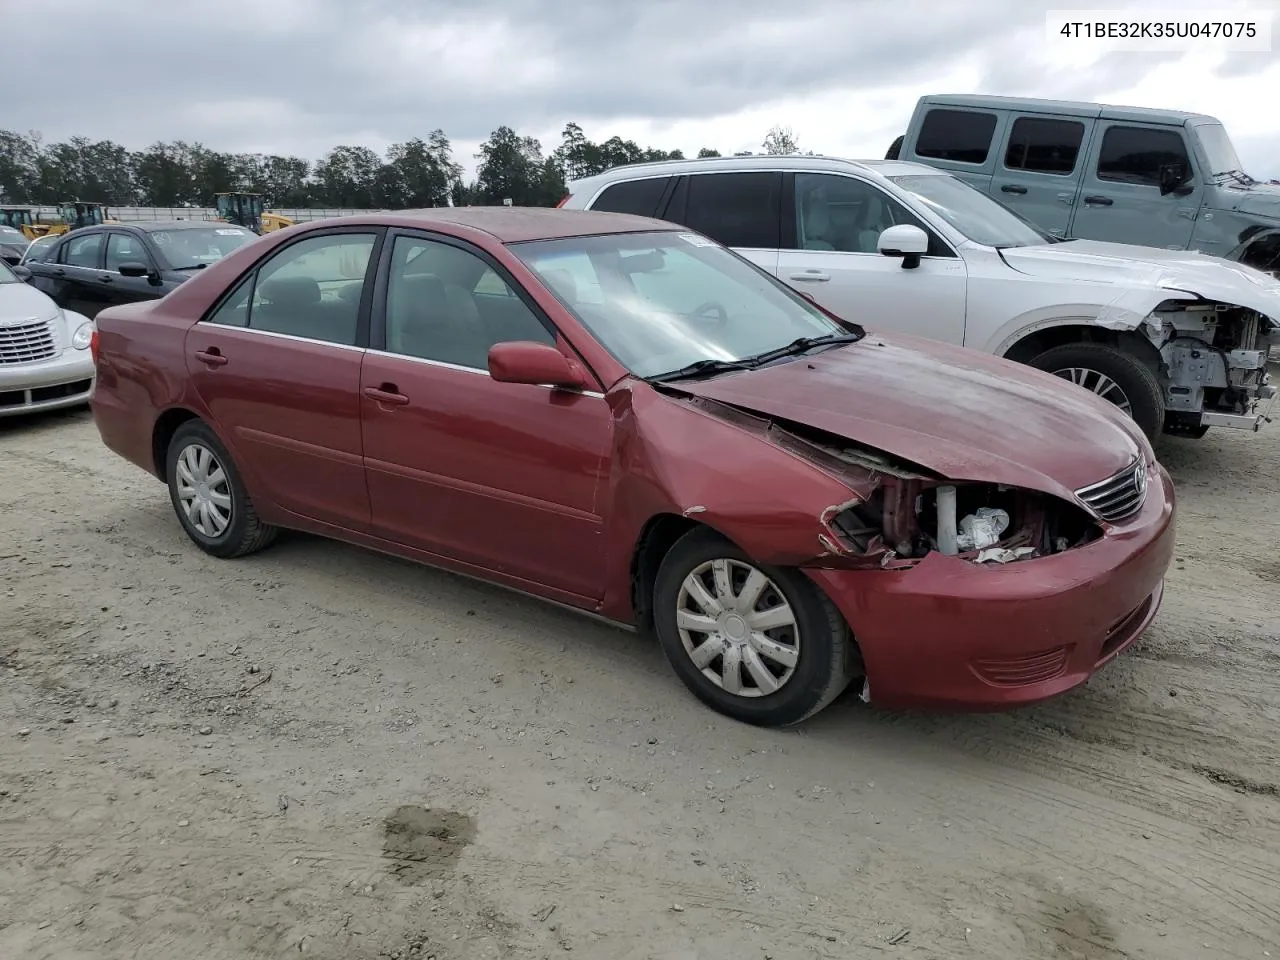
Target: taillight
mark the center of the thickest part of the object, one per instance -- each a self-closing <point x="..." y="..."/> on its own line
<point x="93" y="346"/>
<point x="563" y="200"/>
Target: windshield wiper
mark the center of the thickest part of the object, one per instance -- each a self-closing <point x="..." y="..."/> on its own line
<point x="702" y="368"/>
<point x="1238" y="175"/>
<point x="803" y="345"/>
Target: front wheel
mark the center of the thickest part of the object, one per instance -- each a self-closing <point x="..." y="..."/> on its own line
<point x="1112" y="374"/>
<point x="757" y="643"/>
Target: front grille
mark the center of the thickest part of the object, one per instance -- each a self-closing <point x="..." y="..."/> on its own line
<point x="27" y="343"/>
<point x="1119" y="496"/>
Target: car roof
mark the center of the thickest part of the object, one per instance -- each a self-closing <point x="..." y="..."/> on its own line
<point x="1076" y="108"/>
<point x="514" y="224"/>
<point x="155" y="226"/>
<point x="791" y="161"/>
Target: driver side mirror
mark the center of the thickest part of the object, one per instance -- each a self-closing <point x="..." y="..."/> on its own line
<point x="134" y="269"/>
<point x="22" y="273"/>
<point x="523" y="361"/>
<point x="905" y="241"/>
<point x="1174" y="178"/>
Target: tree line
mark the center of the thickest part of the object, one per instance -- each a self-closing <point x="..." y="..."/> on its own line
<point x="416" y="173"/>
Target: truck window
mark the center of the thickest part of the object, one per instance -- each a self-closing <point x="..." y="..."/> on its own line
<point x="1041" y="145"/>
<point x="1136" y="154"/>
<point x="962" y="135"/>
<point x="640" y="197"/>
<point x="737" y="209"/>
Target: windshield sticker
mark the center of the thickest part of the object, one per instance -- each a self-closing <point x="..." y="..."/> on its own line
<point x="696" y="240"/>
<point x="223" y="232"/>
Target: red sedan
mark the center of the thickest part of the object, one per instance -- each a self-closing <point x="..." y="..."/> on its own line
<point x="623" y="416"/>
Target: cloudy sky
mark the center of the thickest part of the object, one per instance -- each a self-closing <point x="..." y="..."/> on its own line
<point x="298" y="76"/>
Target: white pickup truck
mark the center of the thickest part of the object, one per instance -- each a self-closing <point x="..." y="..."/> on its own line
<point x="1178" y="339"/>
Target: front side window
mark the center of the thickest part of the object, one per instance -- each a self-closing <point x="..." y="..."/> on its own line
<point x="737" y="209"/>
<point x="844" y="214"/>
<point x="1136" y="154"/>
<point x="960" y="135"/>
<point x="83" y="251"/>
<point x="123" y="248"/>
<point x="309" y="289"/>
<point x="973" y="213"/>
<point x="1044" y="145"/>
<point x="661" y="301"/>
<point x="447" y="304"/>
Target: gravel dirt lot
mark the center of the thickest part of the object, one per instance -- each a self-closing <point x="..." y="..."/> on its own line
<point x="324" y="752"/>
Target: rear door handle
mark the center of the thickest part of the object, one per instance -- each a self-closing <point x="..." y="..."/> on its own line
<point x="213" y="357"/>
<point x="387" y="393"/>
<point x="1099" y="201"/>
<point x="812" y="276"/>
<point x="1013" y="188"/>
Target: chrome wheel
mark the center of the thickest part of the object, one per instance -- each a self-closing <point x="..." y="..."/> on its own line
<point x="737" y="628"/>
<point x="1098" y="383"/>
<point x="204" y="490"/>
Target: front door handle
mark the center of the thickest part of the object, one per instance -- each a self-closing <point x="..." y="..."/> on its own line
<point x="1099" y="201"/>
<point x="105" y="278"/>
<point x="387" y="393"/>
<point x="59" y="273"/>
<point x="1013" y="188"/>
<point x="812" y="276"/>
<point x="213" y="357"/>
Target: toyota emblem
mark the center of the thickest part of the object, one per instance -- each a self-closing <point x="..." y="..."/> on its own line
<point x="1140" y="477"/>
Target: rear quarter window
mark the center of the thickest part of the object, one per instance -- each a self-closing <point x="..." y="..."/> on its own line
<point x="639" y="197"/>
<point x="960" y="135"/>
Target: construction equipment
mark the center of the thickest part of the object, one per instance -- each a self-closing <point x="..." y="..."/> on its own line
<point x="246" y="210"/>
<point x="79" y="213"/>
<point x="22" y="218"/>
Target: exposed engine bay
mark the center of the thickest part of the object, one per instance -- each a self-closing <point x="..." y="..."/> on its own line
<point x="1215" y="360"/>
<point x="909" y="513"/>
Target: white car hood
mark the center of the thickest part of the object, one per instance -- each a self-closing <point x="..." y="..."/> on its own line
<point x="1141" y="277"/>
<point x="23" y="303"/>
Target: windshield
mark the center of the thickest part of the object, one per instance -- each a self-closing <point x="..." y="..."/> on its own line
<point x="10" y="235"/>
<point x="662" y="301"/>
<point x="976" y="215"/>
<point x="1218" y="149"/>
<point x="6" y="275"/>
<point x="196" y="247"/>
<point x="39" y="249"/>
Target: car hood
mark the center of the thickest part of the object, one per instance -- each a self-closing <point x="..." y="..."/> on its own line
<point x="22" y="303"/>
<point x="1158" y="274"/>
<point x="1259" y="200"/>
<point x="959" y="413"/>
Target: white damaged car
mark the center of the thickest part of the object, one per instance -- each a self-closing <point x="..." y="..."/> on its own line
<point x="1177" y="339"/>
<point x="45" y="360"/>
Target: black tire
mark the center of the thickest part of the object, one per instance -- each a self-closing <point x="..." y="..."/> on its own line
<point x="827" y="659"/>
<point x="244" y="533"/>
<point x="1131" y="375"/>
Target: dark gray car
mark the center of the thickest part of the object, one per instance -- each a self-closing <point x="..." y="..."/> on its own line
<point x="93" y="268"/>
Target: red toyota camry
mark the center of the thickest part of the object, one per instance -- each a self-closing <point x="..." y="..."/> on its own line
<point x="623" y="416"/>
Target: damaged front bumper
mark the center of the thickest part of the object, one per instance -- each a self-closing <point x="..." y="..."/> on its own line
<point x="948" y="632"/>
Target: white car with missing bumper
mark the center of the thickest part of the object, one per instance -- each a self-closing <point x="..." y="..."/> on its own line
<point x="1177" y="339"/>
<point x="45" y="360"/>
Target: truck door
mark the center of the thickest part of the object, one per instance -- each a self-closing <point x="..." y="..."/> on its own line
<point x="1120" y="199"/>
<point x="1039" y="168"/>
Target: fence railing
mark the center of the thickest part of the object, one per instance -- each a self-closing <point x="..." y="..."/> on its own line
<point x="145" y="214"/>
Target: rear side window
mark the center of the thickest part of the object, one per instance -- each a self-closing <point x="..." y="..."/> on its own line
<point x="1042" y="145"/>
<point x="640" y="197"/>
<point x="737" y="209"/>
<point x="960" y="135"/>
<point x="83" y="251"/>
<point x="1136" y="154"/>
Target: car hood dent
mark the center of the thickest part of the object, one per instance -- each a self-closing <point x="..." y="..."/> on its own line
<point x="1143" y="277"/>
<point x="23" y="303"/>
<point x="955" y="412"/>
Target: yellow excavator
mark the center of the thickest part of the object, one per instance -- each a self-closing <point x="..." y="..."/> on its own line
<point x="23" y="219"/>
<point x="246" y="210"/>
<point x="76" y="214"/>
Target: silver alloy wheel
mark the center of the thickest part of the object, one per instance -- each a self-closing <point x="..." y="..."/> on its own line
<point x="1099" y="383"/>
<point x="738" y="628"/>
<point x="204" y="490"/>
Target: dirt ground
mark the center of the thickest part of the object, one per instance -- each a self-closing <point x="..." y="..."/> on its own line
<point x="326" y="752"/>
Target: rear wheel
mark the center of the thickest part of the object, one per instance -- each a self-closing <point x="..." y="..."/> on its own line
<point x="209" y="497"/>
<point x="760" y="644"/>
<point x="1112" y="374"/>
